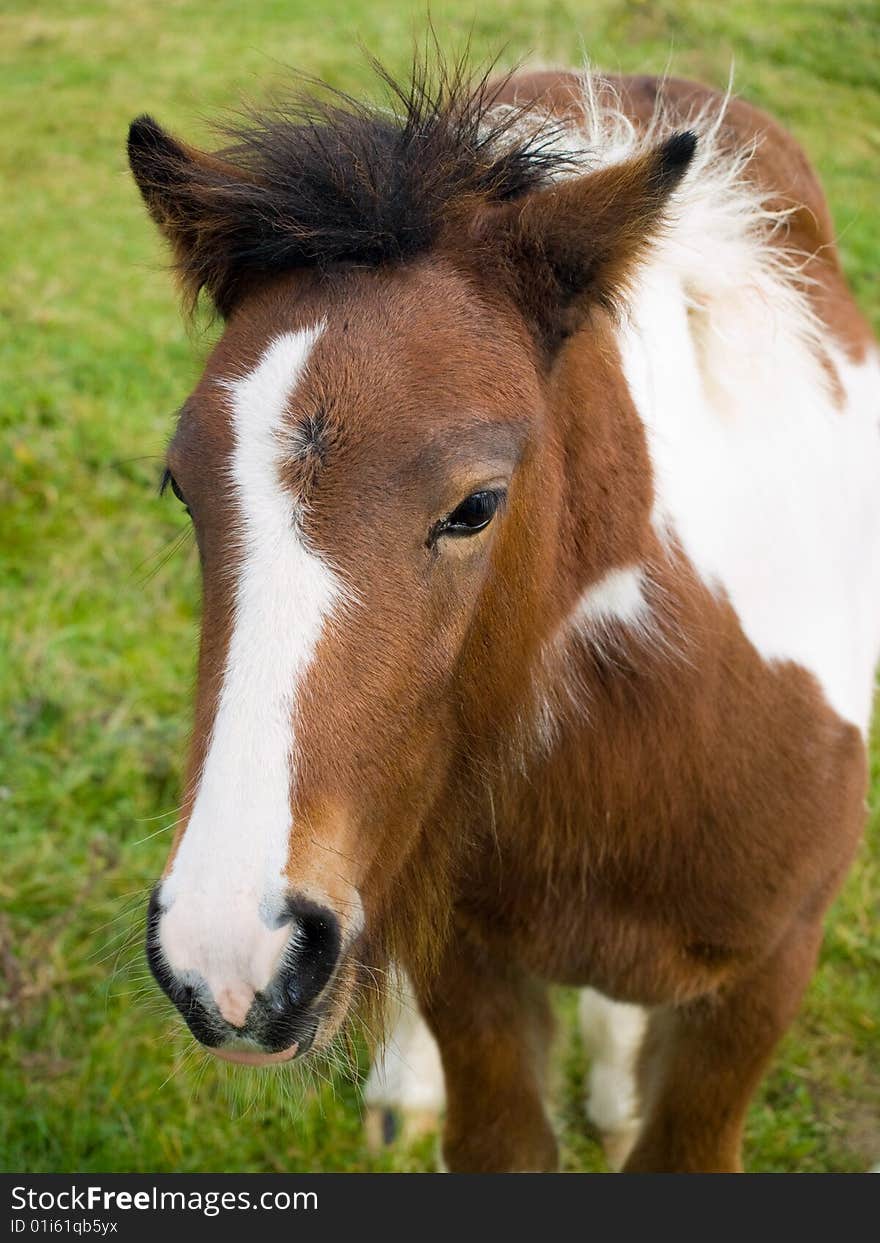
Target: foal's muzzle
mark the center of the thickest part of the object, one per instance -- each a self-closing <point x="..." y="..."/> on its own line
<point x="281" y="1020"/>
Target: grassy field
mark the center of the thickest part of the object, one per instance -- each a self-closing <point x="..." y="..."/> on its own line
<point x="98" y="577"/>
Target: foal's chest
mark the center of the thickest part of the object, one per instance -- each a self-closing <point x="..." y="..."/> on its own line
<point x="661" y="885"/>
<point x="602" y="932"/>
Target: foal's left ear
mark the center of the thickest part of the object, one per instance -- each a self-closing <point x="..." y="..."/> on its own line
<point x="578" y="243"/>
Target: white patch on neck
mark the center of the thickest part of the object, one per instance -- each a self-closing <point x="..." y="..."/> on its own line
<point x="617" y="597"/>
<point x="773" y="492"/>
<point x="226" y="888"/>
<point x="609" y="613"/>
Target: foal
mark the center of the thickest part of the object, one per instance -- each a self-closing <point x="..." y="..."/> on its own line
<point x="536" y="484"/>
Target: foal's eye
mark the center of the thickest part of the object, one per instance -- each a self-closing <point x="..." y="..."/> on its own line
<point x="168" y="481"/>
<point x="472" y="515"/>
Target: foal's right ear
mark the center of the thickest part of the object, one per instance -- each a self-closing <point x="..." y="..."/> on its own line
<point x="161" y="167"/>
<point x="183" y="189"/>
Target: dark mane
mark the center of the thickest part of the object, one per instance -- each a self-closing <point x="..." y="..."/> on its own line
<point x="327" y="180"/>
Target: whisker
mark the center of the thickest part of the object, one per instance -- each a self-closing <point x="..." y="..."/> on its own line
<point x="164" y="556"/>
<point x="166" y="829"/>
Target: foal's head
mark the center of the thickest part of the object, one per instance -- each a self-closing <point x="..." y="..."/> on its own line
<point x="370" y="465"/>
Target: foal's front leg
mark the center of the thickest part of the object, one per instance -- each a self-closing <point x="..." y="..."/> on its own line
<point x="493" y="1025"/>
<point x="702" y="1061"/>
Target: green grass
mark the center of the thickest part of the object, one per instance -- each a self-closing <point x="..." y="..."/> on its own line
<point x="99" y="630"/>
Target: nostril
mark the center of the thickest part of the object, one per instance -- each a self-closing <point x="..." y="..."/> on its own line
<point x="155" y="958"/>
<point x="312" y="953"/>
<point x="182" y="994"/>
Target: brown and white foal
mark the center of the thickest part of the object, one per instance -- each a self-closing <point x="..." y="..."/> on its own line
<point x="536" y="483"/>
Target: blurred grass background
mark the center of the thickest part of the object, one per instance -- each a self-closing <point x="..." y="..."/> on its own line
<point x="98" y="577"/>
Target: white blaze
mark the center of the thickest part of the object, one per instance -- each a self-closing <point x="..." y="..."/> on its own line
<point x="225" y="891"/>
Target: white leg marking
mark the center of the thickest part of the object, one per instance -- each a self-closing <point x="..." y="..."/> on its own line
<point x="612" y="1033"/>
<point x="407" y="1076"/>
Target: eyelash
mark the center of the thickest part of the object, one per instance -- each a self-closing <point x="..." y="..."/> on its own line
<point x="168" y="481"/>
